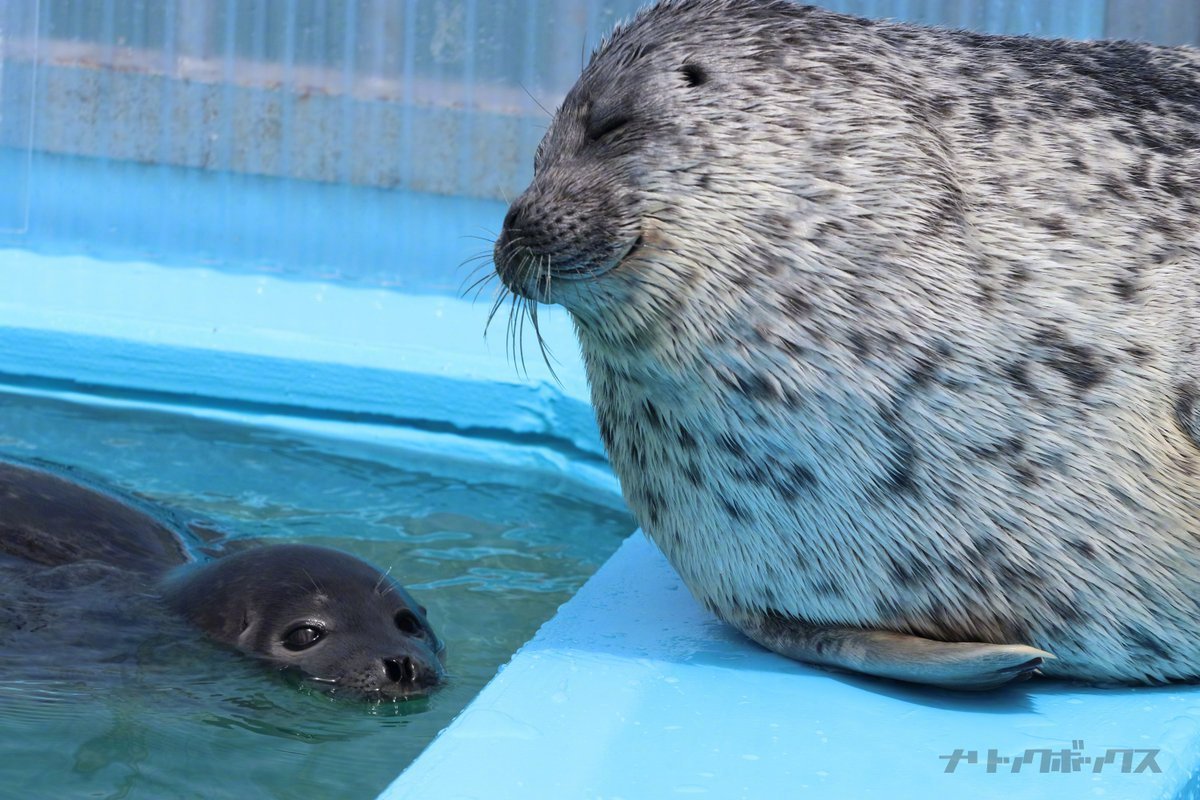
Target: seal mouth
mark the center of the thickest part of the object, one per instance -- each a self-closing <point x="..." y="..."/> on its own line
<point x="523" y="275"/>
<point x="631" y="250"/>
<point x="529" y="281"/>
<point x="591" y="272"/>
<point x="332" y="687"/>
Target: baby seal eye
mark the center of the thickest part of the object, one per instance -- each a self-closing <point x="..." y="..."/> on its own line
<point x="302" y="637"/>
<point x="408" y="623"/>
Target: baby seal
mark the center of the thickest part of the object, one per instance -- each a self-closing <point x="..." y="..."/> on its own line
<point x="893" y="333"/>
<point x="335" y="620"/>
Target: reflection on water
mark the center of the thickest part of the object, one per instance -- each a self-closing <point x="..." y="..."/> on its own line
<point x="105" y="695"/>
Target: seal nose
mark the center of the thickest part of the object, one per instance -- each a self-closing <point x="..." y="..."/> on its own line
<point x="512" y="216"/>
<point x="516" y="224"/>
<point x="408" y="674"/>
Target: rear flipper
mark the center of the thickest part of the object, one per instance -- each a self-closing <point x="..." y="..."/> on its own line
<point x="970" y="666"/>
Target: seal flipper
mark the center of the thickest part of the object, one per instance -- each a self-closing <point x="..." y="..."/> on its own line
<point x="970" y="666"/>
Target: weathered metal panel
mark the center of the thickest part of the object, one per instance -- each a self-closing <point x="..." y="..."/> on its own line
<point x="18" y="20"/>
<point x="441" y="96"/>
<point x="1160" y="21"/>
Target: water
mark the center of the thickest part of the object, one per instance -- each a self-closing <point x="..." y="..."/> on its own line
<point x="122" y="701"/>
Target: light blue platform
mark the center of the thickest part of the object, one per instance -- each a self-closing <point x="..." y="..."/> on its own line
<point x="631" y="691"/>
<point x="634" y="691"/>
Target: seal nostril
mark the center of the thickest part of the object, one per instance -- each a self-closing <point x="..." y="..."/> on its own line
<point x="410" y="671"/>
<point x="510" y="217"/>
<point x="401" y="670"/>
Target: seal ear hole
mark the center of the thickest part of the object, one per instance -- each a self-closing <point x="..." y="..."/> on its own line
<point x="408" y="623"/>
<point x="694" y="74"/>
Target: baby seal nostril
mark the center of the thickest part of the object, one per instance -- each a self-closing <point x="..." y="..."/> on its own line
<point x="401" y="670"/>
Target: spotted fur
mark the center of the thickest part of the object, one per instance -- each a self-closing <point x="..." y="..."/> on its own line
<point x="892" y="327"/>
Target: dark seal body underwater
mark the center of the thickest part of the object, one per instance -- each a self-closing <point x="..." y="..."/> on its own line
<point x="338" y="622"/>
<point x="893" y="333"/>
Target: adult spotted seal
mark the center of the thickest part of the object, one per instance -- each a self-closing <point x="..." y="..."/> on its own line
<point x="893" y="333"/>
<point x="334" y="619"/>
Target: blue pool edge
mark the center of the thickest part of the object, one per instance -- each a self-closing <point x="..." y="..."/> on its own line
<point x="295" y="353"/>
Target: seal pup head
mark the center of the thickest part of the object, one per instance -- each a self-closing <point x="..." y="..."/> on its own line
<point x="336" y="620"/>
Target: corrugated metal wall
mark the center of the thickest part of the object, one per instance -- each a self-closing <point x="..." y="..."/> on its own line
<point x="436" y="96"/>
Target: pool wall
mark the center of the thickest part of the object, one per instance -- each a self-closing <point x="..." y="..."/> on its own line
<point x="275" y="109"/>
<point x="198" y="338"/>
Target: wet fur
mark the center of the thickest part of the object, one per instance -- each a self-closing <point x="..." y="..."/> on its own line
<point x="907" y="339"/>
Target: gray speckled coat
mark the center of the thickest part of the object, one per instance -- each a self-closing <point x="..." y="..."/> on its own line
<point x="892" y="327"/>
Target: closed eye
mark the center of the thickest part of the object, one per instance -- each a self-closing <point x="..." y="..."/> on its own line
<point x="603" y="125"/>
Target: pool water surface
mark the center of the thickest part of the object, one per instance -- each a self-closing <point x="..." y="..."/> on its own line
<point x="154" y="711"/>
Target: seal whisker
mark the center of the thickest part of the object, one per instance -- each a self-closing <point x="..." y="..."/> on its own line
<point x="485" y="256"/>
<point x="542" y="345"/>
<point x="478" y="286"/>
<point x="315" y="584"/>
<point x="502" y="294"/>
<point x="519" y="334"/>
<point x="522" y="315"/>
<point x="383" y="576"/>
<point x="510" y="338"/>
<point x="533" y="312"/>
<point x="482" y="286"/>
<point x="509" y="323"/>
<point x="479" y="280"/>
<point x="485" y="271"/>
<point x="528" y="268"/>
<point x="537" y="102"/>
<point x="485" y="266"/>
